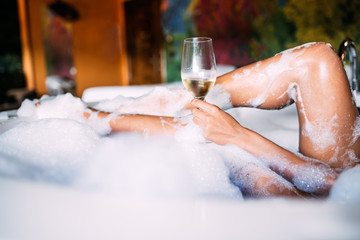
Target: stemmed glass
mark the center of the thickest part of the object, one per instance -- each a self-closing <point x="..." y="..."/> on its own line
<point x="198" y="66"/>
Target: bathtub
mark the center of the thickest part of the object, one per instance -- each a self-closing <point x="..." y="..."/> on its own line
<point x="41" y="210"/>
<point x="38" y="211"/>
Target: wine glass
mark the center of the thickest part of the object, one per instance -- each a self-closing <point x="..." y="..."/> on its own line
<point x="198" y="67"/>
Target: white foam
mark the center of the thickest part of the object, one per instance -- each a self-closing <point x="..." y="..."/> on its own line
<point x="356" y="132"/>
<point x="4" y="116"/>
<point x="219" y="97"/>
<point x="270" y="74"/>
<point x="303" y="46"/>
<point x="46" y="149"/>
<point x="27" y="109"/>
<point x="156" y="166"/>
<point x="62" y="106"/>
<point x="347" y="187"/>
<point x="160" y="101"/>
<point x="59" y="144"/>
<point x="318" y="131"/>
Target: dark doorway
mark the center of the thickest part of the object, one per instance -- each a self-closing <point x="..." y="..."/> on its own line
<point x="144" y="38"/>
<point x="11" y="73"/>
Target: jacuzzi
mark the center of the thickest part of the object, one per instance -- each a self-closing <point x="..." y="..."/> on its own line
<point x="33" y="209"/>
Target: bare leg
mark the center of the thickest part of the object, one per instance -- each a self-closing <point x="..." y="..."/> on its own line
<point x="314" y="77"/>
<point x="259" y="182"/>
<point x="139" y="123"/>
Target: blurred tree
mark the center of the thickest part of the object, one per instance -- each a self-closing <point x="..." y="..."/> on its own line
<point x="242" y="30"/>
<point x="176" y="27"/>
<point x="272" y="34"/>
<point x="324" y="20"/>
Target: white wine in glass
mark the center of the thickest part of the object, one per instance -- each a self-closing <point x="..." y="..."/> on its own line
<point x="198" y="66"/>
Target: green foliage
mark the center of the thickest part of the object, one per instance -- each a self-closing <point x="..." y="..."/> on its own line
<point x="173" y="48"/>
<point x="324" y="20"/>
<point x="272" y="35"/>
<point x="173" y="56"/>
<point x="243" y="30"/>
<point x="250" y="30"/>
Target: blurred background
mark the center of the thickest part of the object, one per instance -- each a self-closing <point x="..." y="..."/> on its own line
<point x="57" y="46"/>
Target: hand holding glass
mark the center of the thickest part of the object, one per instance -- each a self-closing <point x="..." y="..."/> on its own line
<point x="198" y="67"/>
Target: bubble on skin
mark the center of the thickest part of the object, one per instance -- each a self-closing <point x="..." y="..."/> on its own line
<point x="247" y="82"/>
<point x="113" y="105"/>
<point x="236" y="76"/>
<point x="309" y="177"/>
<point x="290" y="92"/>
<point x="245" y="72"/>
<point x="247" y="180"/>
<point x="219" y="97"/>
<point x="356" y="131"/>
<point x="178" y="123"/>
<point x="261" y="97"/>
<point x="271" y="73"/>
<point x="349" y="159"/>
<point x="303" y="46"/>
<point x="320" y="134"/>
<point x="293" y="92"/>
<point x="190" y="132"/>
<point x="243" y="167"/>
<point x="101" y="125"/>
<point x="193" y="133"/>
<point x="164" y="102"/>
<point x="318" y="130"/>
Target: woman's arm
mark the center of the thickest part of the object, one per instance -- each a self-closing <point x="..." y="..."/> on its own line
<point x="219" y="127"/>
<point x="147" y="124"/>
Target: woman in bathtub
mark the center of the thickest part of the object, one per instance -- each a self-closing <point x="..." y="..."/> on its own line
<point x="312" y="77"/>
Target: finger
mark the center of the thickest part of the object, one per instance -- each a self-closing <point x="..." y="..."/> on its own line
<point x="188" y="106"/>
<point x="202" y="105"/>
<point x="199" y="113"/>
<point x="197" y="121"/>
<point x="202" y="124"/>
<point x="206" y="107"/>
<point x="196" y="103"/>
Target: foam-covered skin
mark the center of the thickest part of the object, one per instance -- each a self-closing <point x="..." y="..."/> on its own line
<point x="160" y="111"/>
<point x="312" y="76"/>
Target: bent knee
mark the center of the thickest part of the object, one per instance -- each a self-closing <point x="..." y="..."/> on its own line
<point x="320" y="65"/>
<point x="323" y="53"/>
